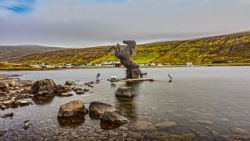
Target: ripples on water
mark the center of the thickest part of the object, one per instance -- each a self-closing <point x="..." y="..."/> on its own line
<point x="204" y="101"/>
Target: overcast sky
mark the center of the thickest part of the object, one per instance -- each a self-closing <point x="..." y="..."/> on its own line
<point x="84" y="23"/>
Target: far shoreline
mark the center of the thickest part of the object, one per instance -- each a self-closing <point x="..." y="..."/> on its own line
<point x="108" y="67"/>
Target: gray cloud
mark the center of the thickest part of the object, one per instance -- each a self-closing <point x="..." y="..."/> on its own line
<point x="73" y="23"/>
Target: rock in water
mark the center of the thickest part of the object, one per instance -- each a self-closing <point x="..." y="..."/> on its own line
<point x="166" y="124"/>
<point x="10" y="115"/>
<point x="72" y="113"/>
<point x="72" y="109"/>
<point x="111" y="120"/>
<point x="98" y="108"/>
<point x="26" y="125"/>
<point x="70" y="83"/>
<point x="44" y="87"/>
<point x="143" y="125"/>
<point x="62" y="89"/>
<point x="125" y="92"/>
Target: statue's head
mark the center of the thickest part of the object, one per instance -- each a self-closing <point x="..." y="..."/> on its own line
<point x="129" y="42"/>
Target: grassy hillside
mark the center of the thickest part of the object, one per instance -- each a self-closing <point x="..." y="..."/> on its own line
<point x="234" y="48"/>
<point x="8" y="53"/>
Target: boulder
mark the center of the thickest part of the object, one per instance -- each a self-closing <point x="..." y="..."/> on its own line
<point x="125" y="92"/>
<point x="4" y="87"/>
<point x="111" y="120"/>
<point x="44" y="87"/>
<point x="72" y="109"/>
<point x="98" y="108"/>
<point x="72" y="113"/>
<point x="62" y="89"/>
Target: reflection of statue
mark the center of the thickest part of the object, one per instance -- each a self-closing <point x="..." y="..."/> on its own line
<point x="133" y="71"/>
<point x="127" y="106"/>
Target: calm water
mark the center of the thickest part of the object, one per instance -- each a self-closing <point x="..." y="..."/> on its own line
<point x="205" y="101"/>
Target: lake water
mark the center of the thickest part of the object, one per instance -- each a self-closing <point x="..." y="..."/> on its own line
<point x="205" y="103"/>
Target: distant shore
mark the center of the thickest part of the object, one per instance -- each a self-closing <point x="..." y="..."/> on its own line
<point x="103" y="67"/>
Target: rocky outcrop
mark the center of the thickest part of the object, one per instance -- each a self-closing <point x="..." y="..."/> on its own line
<point x="125" y="92"/>
<point x="111" y="120"/>
<point x="44" y="87"/>
<point x="98" y="108"/>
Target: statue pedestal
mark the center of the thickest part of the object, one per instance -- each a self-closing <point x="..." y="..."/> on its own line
<point x="133" y="73"/>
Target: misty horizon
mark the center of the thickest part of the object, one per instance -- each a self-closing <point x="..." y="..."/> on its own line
<point x="90" y="23"/>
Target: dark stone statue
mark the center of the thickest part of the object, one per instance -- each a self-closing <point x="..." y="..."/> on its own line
<point x="124" y="54"/>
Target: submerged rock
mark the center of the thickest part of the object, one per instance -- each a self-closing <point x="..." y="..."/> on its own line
<point x="111" y="120"/>
<point x="2" y="133"/>
<point x="240" y="131"/>
<point x="143" y="125"/>
<point x="44" y="87"/>
<point x="98" y="108"/>
<point x="72" y="109"/>
<point x="166" y="124"/>
<point x="125" y="92"/>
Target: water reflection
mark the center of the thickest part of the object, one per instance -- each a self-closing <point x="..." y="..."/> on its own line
<point x="73" y="121"/>
<point x="128" y="106"/>
<point x="43" y="100"/>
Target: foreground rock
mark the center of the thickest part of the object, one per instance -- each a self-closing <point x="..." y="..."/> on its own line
<point x="72" y="113"/>
<point x="98" y="108"/>
<point x="44" y="87"/>
<point x="111" y="120"/>
<point x="71" y="109"/>
<point x="125" y="93"/>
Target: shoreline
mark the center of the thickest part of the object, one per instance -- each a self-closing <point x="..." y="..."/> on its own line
<point x="107" y="67"/>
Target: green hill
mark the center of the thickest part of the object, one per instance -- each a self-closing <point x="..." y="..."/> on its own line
<point x="234" y="48"/>
<point x="8" y="53"/>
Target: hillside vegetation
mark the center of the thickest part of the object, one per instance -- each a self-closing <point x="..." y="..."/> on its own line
<point x="8" y="53"/>
<point x="231" y="48"/>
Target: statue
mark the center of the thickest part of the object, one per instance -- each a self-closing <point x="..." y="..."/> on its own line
<point x="124" y="55"/>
